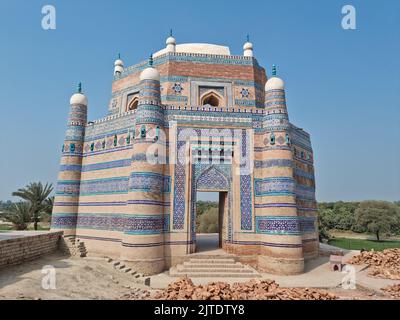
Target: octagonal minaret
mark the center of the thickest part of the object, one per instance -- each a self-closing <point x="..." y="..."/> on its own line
<point x="66" y="201"/>
<point x="143" y="238"/>
<point x="278" y="222"/>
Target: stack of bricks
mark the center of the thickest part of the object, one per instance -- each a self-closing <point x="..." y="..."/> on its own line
<point x="21" y="249"/>
<point x="73" y="247"/>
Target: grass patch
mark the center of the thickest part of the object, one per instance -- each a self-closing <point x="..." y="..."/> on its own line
<point x="357" y="244"/>
<point x="39" y="228"/>
<point x="5" y="227"/>
<point x="8" y="228"/>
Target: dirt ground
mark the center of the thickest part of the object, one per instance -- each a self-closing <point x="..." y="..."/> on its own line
<point x="76" y="278"/>
<point x="94" y="278"/>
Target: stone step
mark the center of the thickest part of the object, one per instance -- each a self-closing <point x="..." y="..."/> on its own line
<point x="213" y="265"/>
<point x="215" y="274"/>
<point x="215" y="270"/>
<point x="212" y="261"/>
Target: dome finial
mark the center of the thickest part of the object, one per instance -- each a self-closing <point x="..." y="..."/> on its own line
<point x="248" y="38"/>
<point x="151" y="60"/>
<point x="274" y="70"/>
<point x="119" y="56"/>
<point x="78" y="98"/>
<point x="170" y="32"/>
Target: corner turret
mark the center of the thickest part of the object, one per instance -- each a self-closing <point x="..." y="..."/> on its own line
<point x="65" y="209"/>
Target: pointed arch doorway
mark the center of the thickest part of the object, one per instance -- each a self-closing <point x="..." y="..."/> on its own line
<point x="215" y="180"/>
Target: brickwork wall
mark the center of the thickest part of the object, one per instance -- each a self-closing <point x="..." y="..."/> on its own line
<point x="19" y="250"/>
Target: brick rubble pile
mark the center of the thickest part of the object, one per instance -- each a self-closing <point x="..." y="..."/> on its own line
<point x="137" y="294"/>
<point x="255" y="289"/>
<point x="393" y="290"/>
<point x="384" y="264"/>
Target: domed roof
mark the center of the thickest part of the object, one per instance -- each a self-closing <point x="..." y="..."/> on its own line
<point x="150" y="74"/>
<point x="170" y="40"/>
<point x="274" y="83"/>
<point x="202" y="48"/>
<point x="78" y="98"/>
<point x="118" y="62"/>
<point x="247" y="46"/>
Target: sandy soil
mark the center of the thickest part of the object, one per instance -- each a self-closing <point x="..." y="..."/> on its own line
<point x="76" y="278"/>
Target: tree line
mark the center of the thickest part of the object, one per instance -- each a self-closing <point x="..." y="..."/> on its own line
<point x="34" y="204"/>
<point x="381" y="218"/>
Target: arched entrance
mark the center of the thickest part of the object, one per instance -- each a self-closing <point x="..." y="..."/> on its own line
<point x="211" y="98"/>
<point x="213" y="178"/>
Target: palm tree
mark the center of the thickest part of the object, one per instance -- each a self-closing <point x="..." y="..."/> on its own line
<point x="19" y="214"/>
<point x="36" y="194"/>
<point x="48" y="205"/>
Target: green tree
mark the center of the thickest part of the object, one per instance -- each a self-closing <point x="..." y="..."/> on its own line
<point x="19" y="214"/>
<point x="378" y="217"/>
<point x="208" y="221"/>
<point x="322" y="228"/>
<point x="36" y="195"/>
<point x="48" y="205"/>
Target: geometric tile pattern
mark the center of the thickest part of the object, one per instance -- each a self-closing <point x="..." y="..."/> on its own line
<point x="145" y="224"/>
<point x="276" y="186"/>
<point x="284" y="225"/>
<point x="149" y="182"/>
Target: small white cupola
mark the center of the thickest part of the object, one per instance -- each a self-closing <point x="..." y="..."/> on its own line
<point x="118" y="65"/>
<point x="248" y="48"/>
<point x="274" y="83"/>
<point x="78" y="98"/>
<point x="150" y="73"/>
<point x="171" y="43"/>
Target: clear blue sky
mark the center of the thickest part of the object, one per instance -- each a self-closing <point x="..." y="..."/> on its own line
<point x="343" y="86"/>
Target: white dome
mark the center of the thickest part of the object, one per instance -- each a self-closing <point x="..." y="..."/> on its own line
<point x="78" y="98"/>
<point x="274" y="83"/>
<point x="248" y="46"/>
<point x="118" y="62"/>
<point x="150" y="74"/>
<point x="170" y="40"/>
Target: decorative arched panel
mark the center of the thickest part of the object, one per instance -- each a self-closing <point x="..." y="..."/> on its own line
<point x="212" y="179"/>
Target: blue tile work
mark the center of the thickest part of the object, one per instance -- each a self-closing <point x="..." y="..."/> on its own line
<point x="117" y="185"/>
<point x="304" y="192"/>
<point x="246" y="222"/>
<point x="106" y="165"/>
<point x="174" y="98"/>
<point x="212" y="179"/>
<point x="284" y="225"/>
<point x="273" y="163"/>
<point x="64" y="220"/>
<point x="275" y="186"/>
<point x="308" y="224"/>
<point x="180" y="178"/>
<point x="143" y="224"/>
<point x="149" y="182"/>
<point x="304" y="174"/>
<point x="70" y="167"/>
<point x="68" y="188"/>
<point x="278" y="225"/>
<point x="246" y="197"/>
<point x="248" y="103"/>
